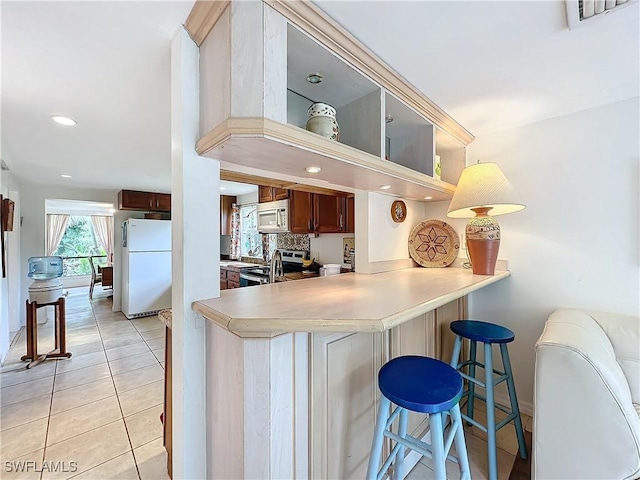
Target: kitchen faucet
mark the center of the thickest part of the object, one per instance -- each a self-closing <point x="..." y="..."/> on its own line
<point x="276" y="269"/>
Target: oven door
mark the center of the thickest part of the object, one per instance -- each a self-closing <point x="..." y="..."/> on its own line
<point x="249" y="279"/>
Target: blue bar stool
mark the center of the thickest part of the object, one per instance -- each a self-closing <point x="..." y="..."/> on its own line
<point x="488" y="333"/>
<point x="425" y="385"/>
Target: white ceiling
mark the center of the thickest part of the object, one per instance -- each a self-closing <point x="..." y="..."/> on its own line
<point x="490" y="65"/>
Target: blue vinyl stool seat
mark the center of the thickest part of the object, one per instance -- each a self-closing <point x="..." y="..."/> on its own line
<point x="424" y="385"/>
<point x="488" y="334"/>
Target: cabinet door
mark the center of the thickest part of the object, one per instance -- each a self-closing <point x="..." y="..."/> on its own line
<point x="301" y="212"/>
<point x="280" y="193"/>
<point x="162" y="202"/>
<point x="134" y="200"/>
<point x="344" y="394"/>
<point x="328" y="213"/>
<point x="350" y="214"/>
<point x="265" y="194"/>
<point x="226" y="205"/>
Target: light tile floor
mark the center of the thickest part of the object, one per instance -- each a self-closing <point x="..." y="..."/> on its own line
<point x="99" y="409"/>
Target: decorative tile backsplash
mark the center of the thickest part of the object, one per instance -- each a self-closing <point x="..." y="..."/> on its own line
<point x="284" y="241"/>
<point x="293" y="241"/>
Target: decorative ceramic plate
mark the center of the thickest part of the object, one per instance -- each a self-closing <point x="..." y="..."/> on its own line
<point x="398" y="211"/>
<point x="434" y="243"/>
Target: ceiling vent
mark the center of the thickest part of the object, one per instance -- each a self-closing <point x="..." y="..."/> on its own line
<point x="580" y="12"/>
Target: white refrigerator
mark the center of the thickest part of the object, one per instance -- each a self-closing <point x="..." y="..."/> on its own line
<point x="146" y="270"/>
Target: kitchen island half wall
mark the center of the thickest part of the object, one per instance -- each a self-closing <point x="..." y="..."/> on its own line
<point x="292" y="367"/>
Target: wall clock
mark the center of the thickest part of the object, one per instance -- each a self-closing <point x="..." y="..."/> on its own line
<point x="398" y="211"/>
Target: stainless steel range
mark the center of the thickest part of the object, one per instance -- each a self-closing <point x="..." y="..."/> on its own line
<point x="291" y="262"/>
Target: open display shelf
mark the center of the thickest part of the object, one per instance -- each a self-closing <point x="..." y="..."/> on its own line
<point x="256" y="118"/>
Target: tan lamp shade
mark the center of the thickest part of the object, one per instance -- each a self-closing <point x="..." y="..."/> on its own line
<point x="483" y="192"/>
<point x="483" y="185"/>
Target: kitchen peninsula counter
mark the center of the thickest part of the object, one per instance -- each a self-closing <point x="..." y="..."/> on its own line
<point x="350" y="302"/>
<point x="293" y="365"/>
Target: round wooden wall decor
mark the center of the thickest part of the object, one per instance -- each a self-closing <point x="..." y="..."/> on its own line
<point x="398" y="211"/>
<point x="434" y="243"/>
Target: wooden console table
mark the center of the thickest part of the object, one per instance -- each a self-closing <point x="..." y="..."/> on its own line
<point x="32" y="333"/>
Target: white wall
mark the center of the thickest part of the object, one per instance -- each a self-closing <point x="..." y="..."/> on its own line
<point x="577" y="242"/>
<point x="328" y="247"/>
<point x="10" y="285"/>
<point x="247" y="198"/>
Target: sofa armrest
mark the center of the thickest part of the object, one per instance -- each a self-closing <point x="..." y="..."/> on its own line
<point x="585" y="424"/>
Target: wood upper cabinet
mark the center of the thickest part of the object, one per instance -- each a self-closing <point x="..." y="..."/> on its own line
<point x="162" y="202"/>
<point x="317" y="213"/>
<point x="271" y="194"/>
<point x="328" y="214"/>
<point x="147" y="201"/>
<point x="301" y="212"/>
<point x="226" y="203"/>
<point x="351" y="214"/>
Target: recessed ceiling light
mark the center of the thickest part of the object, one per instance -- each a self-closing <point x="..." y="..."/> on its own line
<point x="385" y="187"/>
<point x="223" y="188"/>
<point x="62" y="120"/>
<point x="428" y="198"/>
<point x="64" y="175"/>
<point x="315" y="78"/>
<point x="313" y="169"/>
<point x="388" y="119"/>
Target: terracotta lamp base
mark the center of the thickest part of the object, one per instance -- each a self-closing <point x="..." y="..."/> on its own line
<point x="483" y="242"/>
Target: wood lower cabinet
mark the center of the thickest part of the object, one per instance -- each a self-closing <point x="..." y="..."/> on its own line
<point x="344" y="396"/>
<point x="318" y="213"/>
<point x="146" y="201"/>
<point x="229" y="279"/>
<point x="271" y="194"/>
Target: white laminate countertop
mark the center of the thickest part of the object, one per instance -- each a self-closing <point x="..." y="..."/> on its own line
<point x="350" y="302"/>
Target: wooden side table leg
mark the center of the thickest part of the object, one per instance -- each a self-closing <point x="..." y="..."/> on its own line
<point x="62" y="326"/>
<point x="56" y="326"/>
<point x="32" y="333"/>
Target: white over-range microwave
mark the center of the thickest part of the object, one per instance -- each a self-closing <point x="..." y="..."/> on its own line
<point x="273" y="217"/>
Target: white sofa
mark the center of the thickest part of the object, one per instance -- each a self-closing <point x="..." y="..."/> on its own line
<point x="586" y="421"/>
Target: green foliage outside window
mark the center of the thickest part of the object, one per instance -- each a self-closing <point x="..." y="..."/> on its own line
<point x="79" y="240"/>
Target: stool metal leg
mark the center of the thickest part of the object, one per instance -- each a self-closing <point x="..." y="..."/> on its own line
<point x="378" y="438"/>
<point x="491" y="413"/>
<point x="461" y="444"/>
<point x="398" y="467"/>
<point x="472" y="373"/>
<point x="437" y="444"/>
<point x="522" y="446"/>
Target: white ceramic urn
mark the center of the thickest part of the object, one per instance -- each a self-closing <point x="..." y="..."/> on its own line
<point x="322" y="120"/>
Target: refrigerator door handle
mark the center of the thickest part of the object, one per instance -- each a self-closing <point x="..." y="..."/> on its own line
<point x="124" y="234"/>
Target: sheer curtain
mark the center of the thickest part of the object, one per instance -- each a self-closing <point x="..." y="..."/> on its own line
<point x="56" y="226"/>
<point x="103" y="227"/>
<point x="234" y="250"/>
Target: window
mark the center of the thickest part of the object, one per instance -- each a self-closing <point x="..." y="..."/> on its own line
<point x="250" y="238"/>
<point x="80" y="240"/>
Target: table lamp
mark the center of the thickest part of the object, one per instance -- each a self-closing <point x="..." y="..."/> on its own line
<point x="483" y="188"/>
